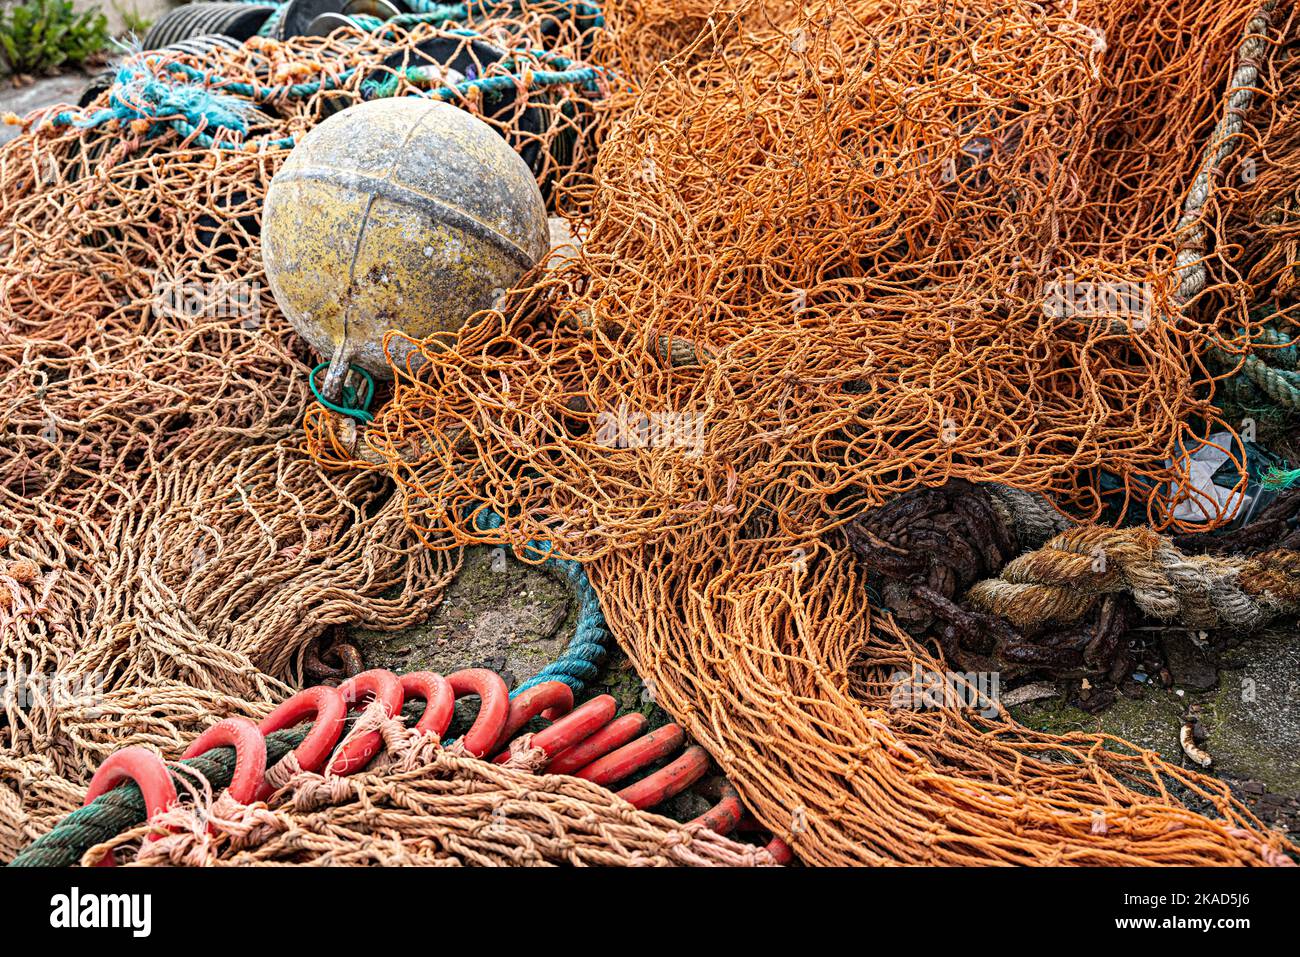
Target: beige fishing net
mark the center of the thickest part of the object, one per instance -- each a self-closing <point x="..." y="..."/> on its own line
<point x="167" y="552"/>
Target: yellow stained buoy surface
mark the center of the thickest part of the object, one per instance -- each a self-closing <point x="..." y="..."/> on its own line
<point x="400" y="213"/>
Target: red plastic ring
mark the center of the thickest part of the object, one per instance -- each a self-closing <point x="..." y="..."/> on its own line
<point x="436" y="692"/>
<point x="382" y="686"/>
<point x="494" y="705"/>
<point x="613" y="735"/>
<point x="250" y="755"/>
<point x="668" y="781"/>
<point x="146" y="769"/>
<point x="724" y="816"/>
<point x="550" y="699"/>
<point x="577" y="725"/>
<point x="630" y="758"/>
<point x="780" y="851"/>
<point x="324" y="704"/>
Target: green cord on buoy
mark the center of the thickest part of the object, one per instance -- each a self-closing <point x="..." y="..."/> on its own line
<point x="358" y="406"/>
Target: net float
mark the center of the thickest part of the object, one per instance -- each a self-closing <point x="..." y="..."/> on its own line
<point x="396" y="214"/>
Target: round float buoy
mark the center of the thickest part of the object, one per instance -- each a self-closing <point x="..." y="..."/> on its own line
<point x="400" y="213"/>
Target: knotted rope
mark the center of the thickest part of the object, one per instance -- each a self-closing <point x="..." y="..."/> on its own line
<point x="1063" y="580"/>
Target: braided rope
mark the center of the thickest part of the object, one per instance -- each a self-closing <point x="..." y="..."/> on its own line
<point x="123" y="807"/>
<point x="430" y="11"/>
<point x="1190" y="259"/>
<point x="1061" y="581"/>
<point x="1272" y="370"/>
<point x="144" y="97"/>
<point x="1030" y="514"/>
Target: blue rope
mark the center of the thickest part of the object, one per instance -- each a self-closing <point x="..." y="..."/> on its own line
<point x="201" y="108"/>
<point x="137" y="94"/>
<point x="355" y="404"/>
<point x="202" y="104"/>
<point x="430" y="11"/>
<point x="580" y="661"/>
<point x="269" y="26"/>
<point x="294" y="91"/>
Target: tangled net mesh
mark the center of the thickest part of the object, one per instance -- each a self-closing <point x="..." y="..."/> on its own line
<point x="827" y="240"/>
<point x="169" y="552"/>
<point x="815" y="247"/>
<point x="839" y="273"/>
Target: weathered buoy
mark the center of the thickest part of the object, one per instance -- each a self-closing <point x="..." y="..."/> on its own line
<point x="400" y="213"/>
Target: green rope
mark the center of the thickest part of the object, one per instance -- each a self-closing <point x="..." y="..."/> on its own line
<point x="123" y="807"/>
<point x="1269" y="374"/>
<point x="1280" y="479"/>
<point x="356" y="406"/>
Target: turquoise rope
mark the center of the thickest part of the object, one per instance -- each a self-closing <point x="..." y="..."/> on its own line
<point x="204" y="103"/>
<point x="272" y="21"/>
<point x="461" y="11"/>
<point x="428" y="11"/>
<point x="356" y="405"/>
<point x="201" y="108"/>
<point x="294" y="91"/>
<point x="1268" y="373"/>
<point x="1281" y="479"/>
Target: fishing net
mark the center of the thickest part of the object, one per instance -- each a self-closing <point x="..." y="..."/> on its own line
<point x="838" y="264"/>
<point x="167" y="553"/>
<point x="814" y="257"/>
<point x="1262" y="369"/>
<point x="826" y="260"/>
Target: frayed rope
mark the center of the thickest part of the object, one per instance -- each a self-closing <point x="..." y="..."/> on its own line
<point x="150" y="103"/>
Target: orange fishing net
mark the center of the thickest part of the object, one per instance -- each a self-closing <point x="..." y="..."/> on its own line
<point x="828" y="259"/>
<point x="1263" y="221"/>
<point x="837" y="259"/>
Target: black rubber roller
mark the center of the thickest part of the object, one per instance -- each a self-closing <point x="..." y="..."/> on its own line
<point x="239" y="21"/>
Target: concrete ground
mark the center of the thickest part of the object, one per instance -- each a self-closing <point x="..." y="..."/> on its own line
<point x="505" y="615"/>
<point x="46" y="91"/>
<point x="1250" y="713"/>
